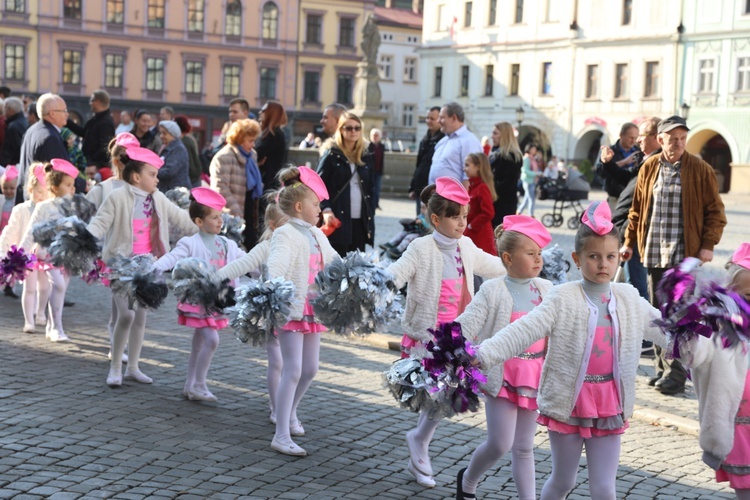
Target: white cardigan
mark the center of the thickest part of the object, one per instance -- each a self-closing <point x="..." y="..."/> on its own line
<point x="45" y="211"/>
<point x="17" y="225"/>
<point x="114" y="222"/>
<point x="289" y="257"/>
<point x="421" y="266"/>
<point x="100" y="191"/>
<point x="488" y="313"/>
<point x="563" y="316"/>
<point x="193" y="246"/>
<point x="251" y="261"/>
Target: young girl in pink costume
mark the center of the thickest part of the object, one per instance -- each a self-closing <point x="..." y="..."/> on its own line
<point x="252" y="261"/>
<point x="587" y="390"/>
<point x="135" y="220"/>
<point x="9" y="181"/>
<point x="439" y="269"/>
<point x="721" y="377"/>
<point x="511" y="388"/>
<point x="205" y="210"/>
<point x="35" y="290"/>
<point x="59" y="178"/>
<point x="299" y="250"/>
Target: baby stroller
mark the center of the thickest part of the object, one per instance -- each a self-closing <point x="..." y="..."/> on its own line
<point x="567" y="192"/>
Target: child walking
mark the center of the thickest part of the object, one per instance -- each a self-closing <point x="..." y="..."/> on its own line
<point x="35" y="286"/>
<point x="587" y="388"/>
<point x="482" y="196"/>
<point x="299" y="250"/>
<point x="512" y="387"/>
<point x="9" y="183"/>
<point x="135" y="220"/>
<point x="439" y="270"/>
<point x="59" y="178"/>
<point x="205" y="210"/>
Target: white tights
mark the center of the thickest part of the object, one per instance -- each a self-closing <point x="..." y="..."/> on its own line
<point x="424" y="431"/>
<point x="35" y="297"/>
<point x="299" y="353"/>
<point x="273" y="374"/>
<point x="508" y="428"/>
<point x="602" y="459"/>
<point x="58" y="284"/>
<point x="205" y="342"/>
<point x="129" y="330"/>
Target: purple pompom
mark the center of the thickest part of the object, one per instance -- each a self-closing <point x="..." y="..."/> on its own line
<point x="727" y="313"/>
<point x="15" y="265"/>
<point x="97" y="274"/>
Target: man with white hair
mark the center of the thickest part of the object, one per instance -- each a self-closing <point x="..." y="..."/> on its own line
<point x="16" y="126"/>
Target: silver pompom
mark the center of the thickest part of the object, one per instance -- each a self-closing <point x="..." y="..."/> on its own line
<point x="556" y="266"/>
<point x="135" y="278"/>
<point x="73" y="247"/>
<point x="409" y="383"/>
<point x="180" y="196"/>
<point x="196" y="282"/>
<point x="261" y="306"/>
<point x="232" y="228"/>
<point x="76" y="205"/>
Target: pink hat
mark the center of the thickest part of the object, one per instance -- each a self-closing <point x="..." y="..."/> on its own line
<point x="598" y="217"/>
<point x="146" y="156"/>
<point x="741" y="256"/>
<point x="127" y="140"/>
<point x="527" y="226"/>
<point x="451" y="189"/>
<point x="40" y="176"/>
<point x="311" y="179"/>
<point x="209" y="197"/>
<point x="11" y="173"/>
<point x="64" y="166"/>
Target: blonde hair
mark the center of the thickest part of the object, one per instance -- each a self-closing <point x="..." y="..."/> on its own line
<point x="241" y="129"/>
<point x="116" y="152"/>
<point x="31" y="180"/>
<point x="508" y="144"/>
<point x="506" y="241"/>
<point x="485" y="172"/>
<point x="273" y="215"/>
<point x="733" y="273"/>
<point x="292" y="190"/>
<point x="355" y="154"/>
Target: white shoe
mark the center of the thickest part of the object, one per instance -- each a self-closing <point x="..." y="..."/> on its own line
<point x="296" y="429"/>
<point x="195" y="395"/>
<point x="288" y="448"/>
<point x="114" y="379"/>
<point x="420" y="463"/>
<point x="124" y="356"/>
<point x="272" y="418"/>
<point x="40" y="321"/>
<point x="421" y="479"/>
<point x="56" y="336"/>
<point x="138" y="376"/>
<point x="27" y="328"/>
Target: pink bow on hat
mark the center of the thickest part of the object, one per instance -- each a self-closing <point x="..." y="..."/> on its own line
<point x="598" y="217"/>
<point x="146" y="156"/>
<point x="741" y="256"/>
<point x="451" y="189"/>
<point x="64" y="166"/>
<point x="127" y="140"/>
<point x="40" y="176"/>
<point x="311" y="179"/>
<point x="209" y="197"/>
<point x="11" y="173"/>
<point x="527" y="226"/>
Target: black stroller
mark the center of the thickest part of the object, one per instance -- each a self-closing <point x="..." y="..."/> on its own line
<point x="567" y="191"/>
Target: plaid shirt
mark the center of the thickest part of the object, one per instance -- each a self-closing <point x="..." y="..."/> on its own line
<point x="665" y="246"/>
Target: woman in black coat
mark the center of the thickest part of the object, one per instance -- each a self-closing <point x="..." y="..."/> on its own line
<point x="271" y="145"/>
<point x="347" y="172"/>
<point x="506" y="160"/>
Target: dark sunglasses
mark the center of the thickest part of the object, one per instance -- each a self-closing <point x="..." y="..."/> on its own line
<point x="349" y="128"/>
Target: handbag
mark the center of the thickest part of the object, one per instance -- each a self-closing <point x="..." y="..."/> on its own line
<point x="333" y="222"/>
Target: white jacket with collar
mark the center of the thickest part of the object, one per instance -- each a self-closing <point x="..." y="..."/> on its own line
<point x="289" y="258"/>
<point x="45" y="211"/>
<point x="563" y="316"/>
<point x="251" y="261"/>
<point x="490" y="312"/>
<point x="193" y="246"/>
<point x="421" y="266"/>
<point x="17" y="225"/>
<point x="114" y="222"/>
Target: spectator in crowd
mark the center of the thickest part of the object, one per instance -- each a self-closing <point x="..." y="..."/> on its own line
<point x="16" y="126"/>
<point x="166" y="114"/>
<point x="271" y="146"/>
<point x="330" y="119"/>
<point x="126" y="123"/>
<point x="486" y="145"/>
<point x="2" y="122"/>
<point x="196" y="169"/>
<point x="623" y="156"/>
<point x="505" y="162"/>
<point x="239" y="109"/>
<point x="74" y="152"/>
<point x="235" y="175"/>
<point x="530" y="173"/>
<point x="176" y="169"/>
<point x="346" y="169"/>
<point x="31" y="116"/>
<point x="676" y="213"/>
<point x="4" y="92"/>
<point x="448" y="160"/>
<point x="424" y="155"/>
<point x="147" y="137"/>
<point x="96" y="133"/>
<point x="308" y="142"/>
<point x="377" y="150"/>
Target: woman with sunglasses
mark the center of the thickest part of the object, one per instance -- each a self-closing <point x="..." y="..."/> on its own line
<point x="347" y="170"/>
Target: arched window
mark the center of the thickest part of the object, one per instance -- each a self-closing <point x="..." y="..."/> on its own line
<point x="234" y="18"/>
<point x="270" y="21"/>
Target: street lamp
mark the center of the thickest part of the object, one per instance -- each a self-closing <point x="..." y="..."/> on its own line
<point x="685" y="110"/>
<point x="519" y="116"/>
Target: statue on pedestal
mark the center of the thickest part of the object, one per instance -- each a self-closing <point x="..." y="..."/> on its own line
<point x="367" y="93"/>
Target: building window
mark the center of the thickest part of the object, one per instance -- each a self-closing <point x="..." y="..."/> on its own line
<point x="407" y="117"/>
<point x="515" y="78"/>
<point x="410" y="69"/>
<point x="15" y="6"/>
<point x="464" y="81"/>
<point x="492" y="18"/>
<point x="72" y="9"/>
<point x="15" y="62"/>
<point x="385" y="107"/>
<point x="267" y="83"/>
<point x="651" y="87"/>
<point x="467" y="14"/>
<point x="747" y="7"/>
<point x="156" y="14"/>
<point x="545" y="87"/>
<point x="346" y="32"/>
<point x="519" y="12"/>
<point x="270" y="21"/>
<point x="314" y="29"/>
<point x="311" y="92"/>
<point x="627" y="12"/>
<point x="592" y="81"/>
<point x="195" y="18"/>
<point x="344" y="88"/>
<point x="550" y="10"/>
<point x="385" y="67"/>
<point x="231" y="80"/>
<point x="438" y="81"/>
<point x="706" y="71"/>
<point x="155" y="74"/>
<point x="233" y="25"/>
<point x="113" y="68"/>
<point x="71" y="67"/>
<point x="441" y="25"/>
<point x="193" y="77"/>
<point x="116" y="11"/>
<point x="743" y="74"/>
<point x="489" y="80"/>
<point x="621" y="81"/>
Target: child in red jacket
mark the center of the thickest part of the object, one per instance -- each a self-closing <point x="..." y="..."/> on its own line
<point x="482" y="194"/>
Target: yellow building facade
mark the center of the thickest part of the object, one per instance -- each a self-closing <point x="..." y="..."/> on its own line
<point x="19" y="45"/>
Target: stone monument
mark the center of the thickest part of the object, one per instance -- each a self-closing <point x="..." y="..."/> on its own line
<point x="366" y="86"/>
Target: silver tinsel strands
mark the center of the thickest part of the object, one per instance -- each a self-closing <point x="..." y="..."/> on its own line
<point x="73" y="247"/>
<point x="232" y="228"/>
<point x="356" y="294"/>
<point x="555" y="268"/>
<point x="195" y="282"/>
<point x="76" y="205"/>
<point x="409" y="383"/>
<point x="136" y="279"/>
<point x="179" y="196"/>
<point x="261" y="306"/>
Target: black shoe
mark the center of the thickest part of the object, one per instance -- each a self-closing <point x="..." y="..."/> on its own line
<point x="460" y="495"/>
<point x="8" y="291"/>
<point x="393" y="253"/>
<point x="68" y="304"/>
<point x="669" y="386"/>
<point x="386" y="246"/>
<point x="653" y="380"/>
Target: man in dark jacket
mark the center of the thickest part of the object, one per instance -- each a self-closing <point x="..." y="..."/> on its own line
<point x="97" y="132"/>
<point x="424" y="156"/>
<point x="617" y="163"/>
<point x="16" y="127"/>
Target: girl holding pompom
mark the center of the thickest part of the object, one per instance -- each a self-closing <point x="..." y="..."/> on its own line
<point x="135" y="220"/>
<point x="439" y="269"/>
<point x="299" y="250"/>
<point x="511" y="388"/>
<point x="9" y="183"/>
<point x="59" y="178"/>
<point x="482" y="197"/>
<point x="252" y="261"/>
<point x="35" y="290"/>
<point x="587" y="388"/>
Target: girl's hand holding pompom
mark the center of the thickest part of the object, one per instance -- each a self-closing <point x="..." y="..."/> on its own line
<point x="15" y="265"/>
<point x="261" y="306"/>
<point x="196" y="282"/>
<point x="136" y="279"/>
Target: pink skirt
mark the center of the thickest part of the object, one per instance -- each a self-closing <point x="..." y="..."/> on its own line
<point x="194" y="316"/>
<point x="597" y="413"/>
<point x="305" y="325"/>
<point x="521" y="377"/>
<point x="739" y="458"/>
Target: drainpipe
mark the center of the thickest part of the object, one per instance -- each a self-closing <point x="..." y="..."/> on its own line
<point x="680" y="84"/>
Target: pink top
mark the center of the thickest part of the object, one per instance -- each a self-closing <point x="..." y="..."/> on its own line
<point x="521" y="373"/>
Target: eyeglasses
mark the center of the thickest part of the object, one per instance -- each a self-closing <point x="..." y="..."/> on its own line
<point x="349" y="128"/>
<point x="646" y="135"/>
<point x="59" y="111"/>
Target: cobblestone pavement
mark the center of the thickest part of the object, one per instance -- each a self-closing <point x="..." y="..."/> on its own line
<point x="65" y="434"/>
